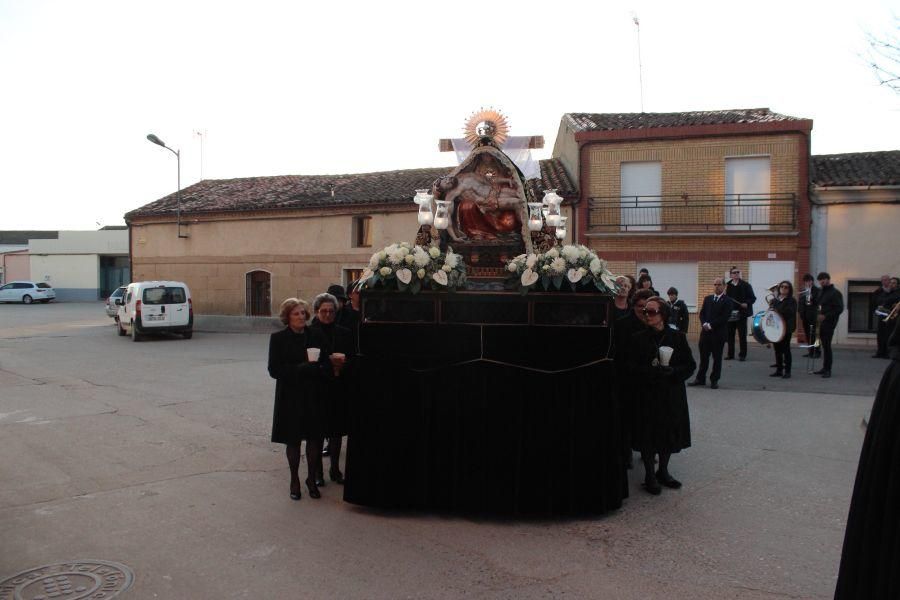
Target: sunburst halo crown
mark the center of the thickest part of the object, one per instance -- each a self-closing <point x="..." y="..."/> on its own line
<point x="486" y="124"/>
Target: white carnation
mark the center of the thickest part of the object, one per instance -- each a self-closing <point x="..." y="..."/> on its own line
<point x="385" y="271"/>
<point x="421" y="257"/>
<point x="596" y="266"/>
<point x="571" y="253"/>
<point x="434" y="252"/>
<point x="558" y="265"/>
<point x="451" y="260"/>
<point x="552" y="253"/>
<point x="373" y="262"/>
<point x="446" y="268"/>
<point x="395" y="257"/>
<point x="420" y="273"/>
<point x="511" y="267"/>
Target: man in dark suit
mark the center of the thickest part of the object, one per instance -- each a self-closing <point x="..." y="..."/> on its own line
<point x="741" y="294"/>
<point x="714" y="326"/>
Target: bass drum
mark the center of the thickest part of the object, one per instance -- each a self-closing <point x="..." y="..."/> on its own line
<point x="768" y="327"/>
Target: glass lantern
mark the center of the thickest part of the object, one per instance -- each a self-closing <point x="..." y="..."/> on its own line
<point x="535" y="222"/>
<point x="561" y="228"/>
<point x="423" y="199"/>
<point x="552" y="200"/>
<point x="442" y="214"/>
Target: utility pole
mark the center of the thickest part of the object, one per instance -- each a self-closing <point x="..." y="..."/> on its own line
<point x="637" y="25"/>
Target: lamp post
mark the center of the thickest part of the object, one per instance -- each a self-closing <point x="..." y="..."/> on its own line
<point x="177" y="154"/>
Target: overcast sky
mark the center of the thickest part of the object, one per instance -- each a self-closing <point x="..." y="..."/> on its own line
<point x="344" y="87"/>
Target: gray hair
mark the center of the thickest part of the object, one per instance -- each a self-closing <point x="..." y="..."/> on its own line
<point x="324" y="298"/>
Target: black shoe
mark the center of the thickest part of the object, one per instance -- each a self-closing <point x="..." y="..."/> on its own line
<point x="652" y="486"/>
<point x="777" y="373"/>
<point x="773" y="366"/>
<point x="819" y="372"/>
<point x="295" y="491"/>
<point x="313" y="489"/>
<point x="729" y="358"/>
<point x="668" y="481"/>
<point x="320" y="480"/>
<point x="826" y="374"/>
<point x="335" y="475"/>
<point x="696" y="382"/>
<point x="787" y="375"/>
<point x="742" y="358"/>
<point x="879" y="356"/>
<point x="714" y="385"/>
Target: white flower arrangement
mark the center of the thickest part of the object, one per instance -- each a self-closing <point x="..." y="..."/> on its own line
<point x="406" y="267"/>
<point x="570" y="267"/>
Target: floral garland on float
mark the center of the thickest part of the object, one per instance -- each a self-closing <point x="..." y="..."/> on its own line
<point x="406" y="267"/>
<point x="569" y="267"/>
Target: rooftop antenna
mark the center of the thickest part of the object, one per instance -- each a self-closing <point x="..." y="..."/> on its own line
<point x="200" y="133"/>
<point x="637" y="25"/>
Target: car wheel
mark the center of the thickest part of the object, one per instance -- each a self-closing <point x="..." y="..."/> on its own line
<point x="188" y="334"/>
<point x="26" y="299"/>
<point x="119" y="328"/>
<point x="135" y="336"/>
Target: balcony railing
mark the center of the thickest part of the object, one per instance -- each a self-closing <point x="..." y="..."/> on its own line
<point x="700" y="212"/>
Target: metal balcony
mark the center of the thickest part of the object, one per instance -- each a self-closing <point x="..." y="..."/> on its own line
<point x="689" y="213"/>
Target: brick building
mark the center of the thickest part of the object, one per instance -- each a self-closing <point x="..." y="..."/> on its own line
<point x="690" y="194"/>
<point x="246" y="244"/>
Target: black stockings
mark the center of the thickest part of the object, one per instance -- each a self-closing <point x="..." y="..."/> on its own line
<point x="649" y="470"/>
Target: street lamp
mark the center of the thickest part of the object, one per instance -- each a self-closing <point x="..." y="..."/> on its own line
<point x="177" y="154"/>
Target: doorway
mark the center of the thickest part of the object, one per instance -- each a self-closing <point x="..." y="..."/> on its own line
<point x="259" y="294"/>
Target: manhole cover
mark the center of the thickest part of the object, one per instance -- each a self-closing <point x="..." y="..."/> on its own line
<point x="77" y="580"/>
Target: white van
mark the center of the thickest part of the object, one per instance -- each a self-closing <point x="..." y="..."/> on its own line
<point x="155" y="307"/>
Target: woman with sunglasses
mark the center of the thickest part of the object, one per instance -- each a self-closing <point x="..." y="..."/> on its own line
<point x="661" y="422"/>
<point x="786" y="306"/>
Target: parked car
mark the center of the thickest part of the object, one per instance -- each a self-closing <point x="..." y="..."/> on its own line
<point x="27" y="292"/>
<point x="112" y="308"/>
<point x="155" y="307"/>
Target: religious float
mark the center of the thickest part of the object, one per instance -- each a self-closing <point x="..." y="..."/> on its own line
<point x="486" y="382"/>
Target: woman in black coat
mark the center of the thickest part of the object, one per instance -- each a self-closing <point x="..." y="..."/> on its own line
<point x="871" y="552"/>
<point x="786" y="306"/>
<point x="299" y="403"/>
<point x="337" y="346"/>
<point x="662" y="423"/>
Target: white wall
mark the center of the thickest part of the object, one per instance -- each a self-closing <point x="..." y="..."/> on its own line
<point x="112" y="241"/>
<point x="73" y="276"/>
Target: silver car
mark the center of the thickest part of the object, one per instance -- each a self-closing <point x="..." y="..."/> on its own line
<point x="111" y="308"/>
<point x="27" y="292"/>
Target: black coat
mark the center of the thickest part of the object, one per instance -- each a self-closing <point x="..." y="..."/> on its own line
<point x="338" y="389"/>
<point x="872" y="540"/>
<point x="299" y="396"/>
<point x="809" y="304"/>
<point x="831" y="304"/>
<point x="661" y="420"/>
<point x="716" y="313"/>
<point x="787" y="308"/>
<point x="679" y="316"/>
<point x="741" y="293"/>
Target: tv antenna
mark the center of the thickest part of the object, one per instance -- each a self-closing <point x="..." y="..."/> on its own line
<point x="637" y="25"/>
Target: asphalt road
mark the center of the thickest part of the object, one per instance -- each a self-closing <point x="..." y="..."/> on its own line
<point x="157" y="455"/>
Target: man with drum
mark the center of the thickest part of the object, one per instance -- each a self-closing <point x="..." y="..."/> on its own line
<point x="831" y="305"/>
<point x="741" y="293"/>
<point x="714" y="315"/>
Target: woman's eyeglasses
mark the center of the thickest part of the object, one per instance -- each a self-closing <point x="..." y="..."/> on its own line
<point x="651" y="312"/>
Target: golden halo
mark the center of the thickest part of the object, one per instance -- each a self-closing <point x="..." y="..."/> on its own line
<point x="486" y="124"/>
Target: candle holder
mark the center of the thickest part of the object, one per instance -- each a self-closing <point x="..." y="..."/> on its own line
<point x="423" y="199"/>
<point x="535" y="222"/>
<point x="561" y="229"/>
<point x="442" y="214"/>
<point x="552" y="200"/>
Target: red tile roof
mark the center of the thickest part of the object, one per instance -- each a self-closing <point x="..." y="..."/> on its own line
<point x="321" y="191"/>
<point x="856" y="169"/>
<point x="616" y="121"/>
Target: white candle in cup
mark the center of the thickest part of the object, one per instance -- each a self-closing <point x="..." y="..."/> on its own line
<point x="441" y="222"/>
<point x="313" y="354"/>
<point x="665" y="355"/>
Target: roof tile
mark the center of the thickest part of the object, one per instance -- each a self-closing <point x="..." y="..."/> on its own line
<point x="615" y="121"/>
<point x="856" y="169"/>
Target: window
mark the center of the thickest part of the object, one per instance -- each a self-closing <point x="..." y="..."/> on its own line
<point x="681" y="276"/>
<point x="362" y="232"/>
<point x="43" y="285"/>
<point x="351" y="275"/>
<point x="23" y="286"/>
<point x="640" y="195"/>
<point x="747" y="198"/>
<point x="861" y="305"/>
<point x="164" y="295"/>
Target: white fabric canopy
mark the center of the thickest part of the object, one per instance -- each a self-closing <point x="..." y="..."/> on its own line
<point x="516" y="148"/>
